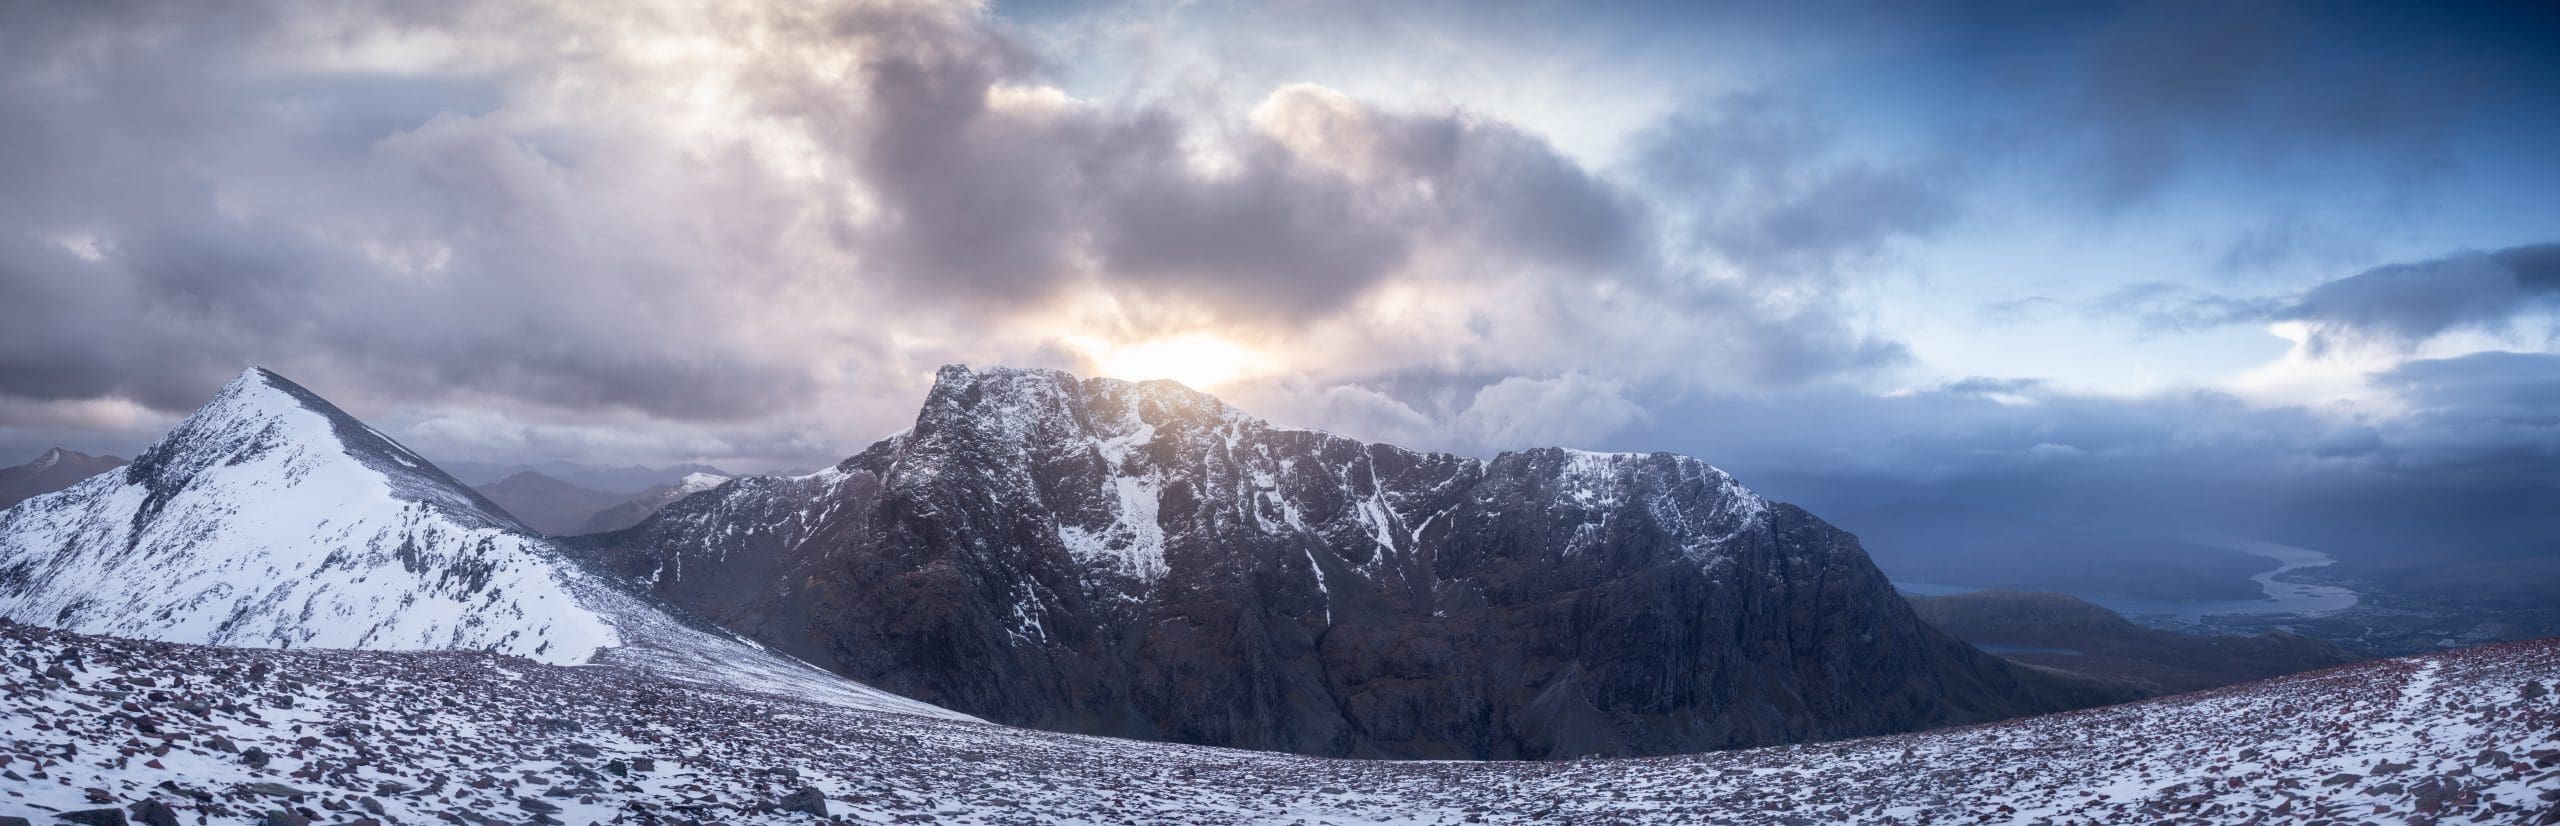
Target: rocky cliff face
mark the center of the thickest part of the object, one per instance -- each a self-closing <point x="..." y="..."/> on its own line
<point x="1142" y="560"/>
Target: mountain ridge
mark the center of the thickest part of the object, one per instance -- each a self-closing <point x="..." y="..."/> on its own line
<point x="270" y="518"/>
<point x="1144" y="560"/>
<point x="53" y="470"/>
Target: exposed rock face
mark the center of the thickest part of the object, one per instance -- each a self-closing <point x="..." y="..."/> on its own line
<point x="1142" y="560"/>
<point x="55" y="470"/>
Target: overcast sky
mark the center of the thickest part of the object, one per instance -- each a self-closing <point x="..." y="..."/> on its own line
<point x="1926" y="244"/>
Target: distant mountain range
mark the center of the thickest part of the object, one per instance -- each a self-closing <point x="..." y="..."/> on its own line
<point x="55" y="470"/>
<point x="625" y="480"/>
<point x="559" y="508"/>
<point x="2066" y="633"/>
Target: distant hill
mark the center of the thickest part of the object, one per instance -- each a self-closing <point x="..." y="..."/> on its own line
<point x="631" y="511"/>
<point x="55" y="470"/>
<point x="548" y="505"/>
<point x="2063" y="632"/>
<point x="627" y="480"/>
<point x="558" y="508"/>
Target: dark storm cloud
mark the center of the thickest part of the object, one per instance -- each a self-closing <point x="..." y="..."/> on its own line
<point x="2408" y="303"/>
<point x="1500" y="185"/>
<point x="1275" y="238"/>
<point x="2494" y="416"/>
<point x="1010" y="205"/>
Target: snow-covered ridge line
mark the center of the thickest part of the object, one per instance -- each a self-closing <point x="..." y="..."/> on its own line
<point x="270" y="518"/>
<point x="1022" y="401"/>
<point x="2455" y="737"/>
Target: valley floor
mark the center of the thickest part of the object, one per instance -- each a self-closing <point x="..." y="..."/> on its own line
<point x="469" y="738"/>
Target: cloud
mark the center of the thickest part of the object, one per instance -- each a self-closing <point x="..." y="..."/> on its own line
<point x="2289" y="239"/>
<point x="2493" y="416"/>
<point x="723" y="229"/>
<point x="2398" y="305"/>
<point x="719" y="232"/>
<point x="2016" y="310"/>
<point x="1751" y="180"/>
<point x="2274" y="89"/>
<point x="2405" y="304"/>
<point x="2163" y="307"/>
<point x="1572" y="410"/>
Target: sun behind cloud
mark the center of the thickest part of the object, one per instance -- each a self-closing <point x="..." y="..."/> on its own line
<point x="1198" y="360"/>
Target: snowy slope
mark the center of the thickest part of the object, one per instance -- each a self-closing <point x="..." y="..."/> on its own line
<point x="270" y="518"/>
<point x="2455" y="737"/>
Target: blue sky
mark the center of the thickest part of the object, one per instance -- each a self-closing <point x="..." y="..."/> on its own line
<point x="1954" y="250"/>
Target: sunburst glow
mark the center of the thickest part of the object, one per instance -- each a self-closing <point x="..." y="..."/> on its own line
<point x="1198" y="360"/>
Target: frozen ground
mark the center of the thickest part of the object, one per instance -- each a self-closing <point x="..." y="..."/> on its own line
<point x="473" y="738"/>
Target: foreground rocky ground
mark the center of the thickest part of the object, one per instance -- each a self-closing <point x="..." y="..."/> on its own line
<point x="100" y="730"/>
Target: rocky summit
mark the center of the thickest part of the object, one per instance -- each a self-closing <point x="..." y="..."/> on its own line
<point x="1142" y="560"/>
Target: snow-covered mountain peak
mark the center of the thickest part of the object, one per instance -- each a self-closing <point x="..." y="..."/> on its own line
<point x="262" y="417"/>
<point x="270" y="518"/>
